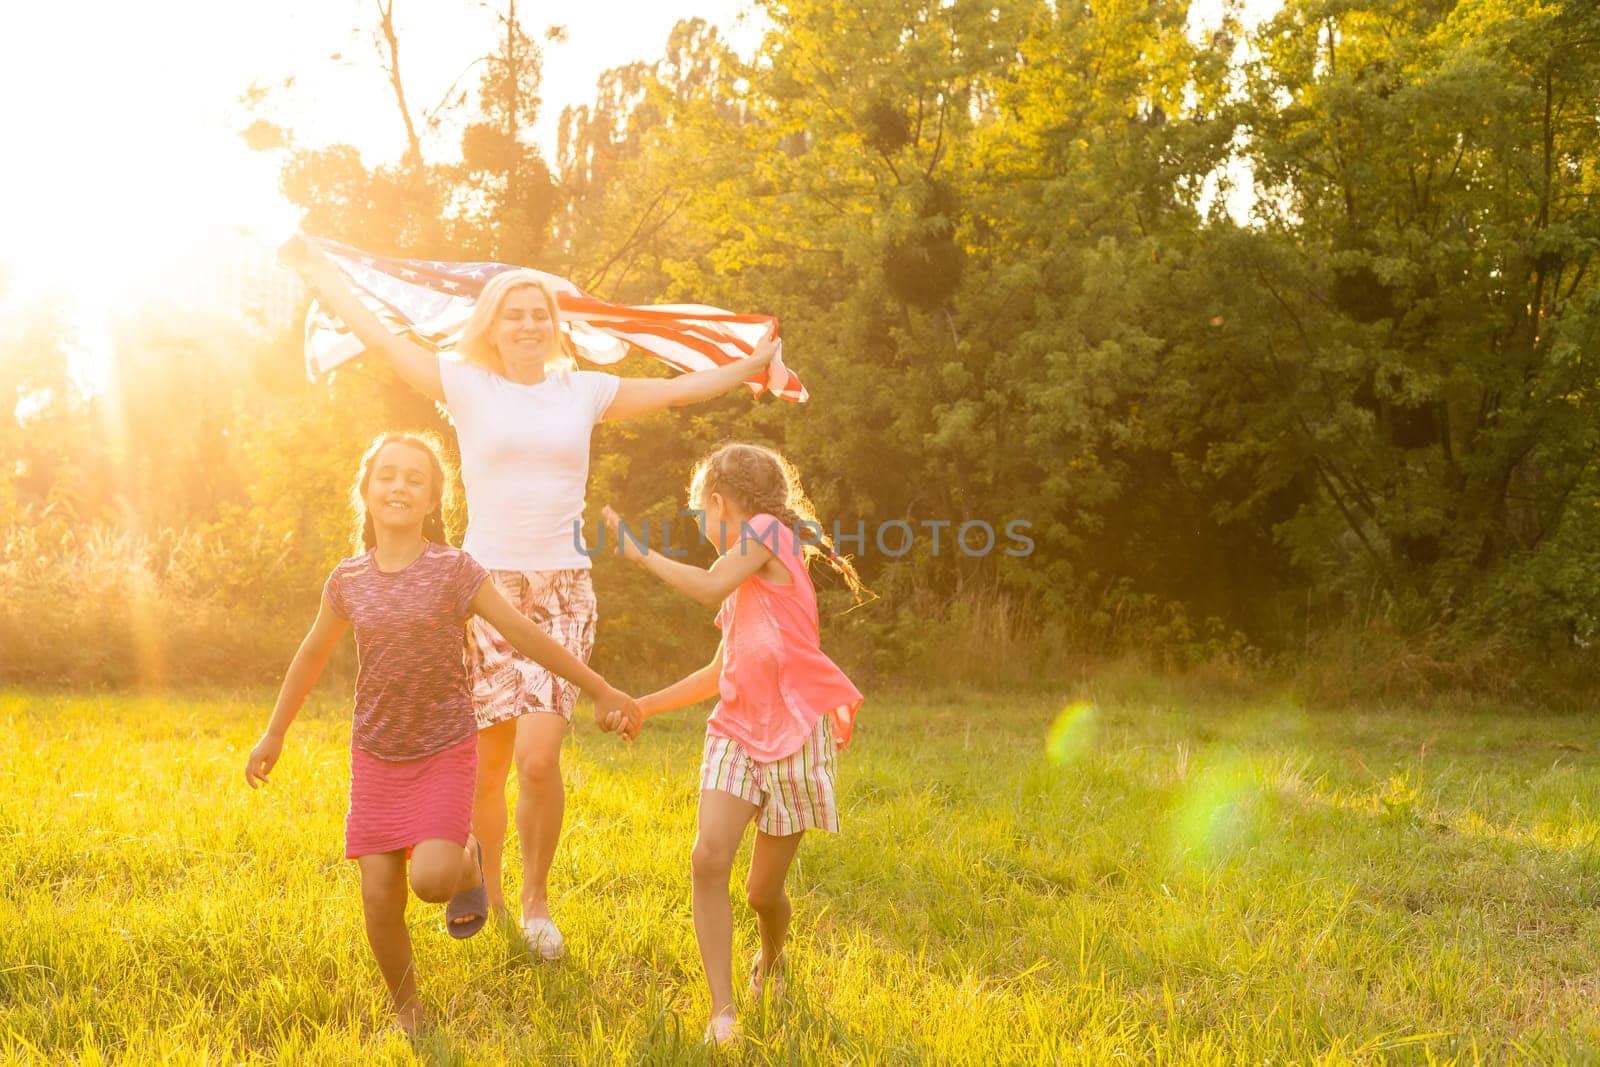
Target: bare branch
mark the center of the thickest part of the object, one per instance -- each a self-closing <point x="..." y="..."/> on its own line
<point x="391" y="40"/>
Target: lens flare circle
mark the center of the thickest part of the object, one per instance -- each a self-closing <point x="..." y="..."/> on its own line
<point x="1071" y="733"/>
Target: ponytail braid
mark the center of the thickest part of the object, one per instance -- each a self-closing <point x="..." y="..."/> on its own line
<point x="760" y="480"/>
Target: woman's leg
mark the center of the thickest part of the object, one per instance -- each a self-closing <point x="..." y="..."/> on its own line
<point x="495" y="745"/>
<point x="541" y="805"/>
<point x="723" y="818"/>
<point x="383" y="903"/>
<point x="764" y="889"/>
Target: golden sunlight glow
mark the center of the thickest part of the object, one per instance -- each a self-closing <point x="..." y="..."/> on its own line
<point x="116" y="260"/>
<point x="123" y="163"/>
<point x="121" y="128"/>
<point x="140" y="238"/>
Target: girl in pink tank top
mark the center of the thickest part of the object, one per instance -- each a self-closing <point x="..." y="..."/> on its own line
<point x="783" y="708"/>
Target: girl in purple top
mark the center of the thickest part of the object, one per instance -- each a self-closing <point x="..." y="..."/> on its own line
<point x="413" y="751"/>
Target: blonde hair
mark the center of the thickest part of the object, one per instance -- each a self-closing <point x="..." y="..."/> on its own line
<point x="477" y="346"/>
<point x="761" y="480"/>
<point x="433" y="526"/>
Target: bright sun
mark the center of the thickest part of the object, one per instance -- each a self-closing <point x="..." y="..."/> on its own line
<point x="120" y="131"/>
<point x="100" y="254"/>
<point x="122" y="160"/>
<point x="113" y="239"/>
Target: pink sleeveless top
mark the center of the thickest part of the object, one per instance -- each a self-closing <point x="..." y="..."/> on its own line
<point x="776" y="683"/>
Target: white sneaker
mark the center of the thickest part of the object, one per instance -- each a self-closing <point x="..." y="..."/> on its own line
<point x="543" y="939"/>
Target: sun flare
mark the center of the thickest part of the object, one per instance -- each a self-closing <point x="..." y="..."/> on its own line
<point x="119" y="174"/>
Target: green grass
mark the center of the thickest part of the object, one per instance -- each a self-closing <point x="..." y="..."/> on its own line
<point x="1162" y="878"/>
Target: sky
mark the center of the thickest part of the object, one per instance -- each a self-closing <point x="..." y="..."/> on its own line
<point x="120" y="118"/>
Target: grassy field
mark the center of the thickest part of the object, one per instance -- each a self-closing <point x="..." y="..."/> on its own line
<point x="1155" y="877"/>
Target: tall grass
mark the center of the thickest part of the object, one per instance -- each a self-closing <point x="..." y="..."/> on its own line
<point x="1151" y="877"/>
<point x="104" y="605"/>
<point x="89" y="605"/>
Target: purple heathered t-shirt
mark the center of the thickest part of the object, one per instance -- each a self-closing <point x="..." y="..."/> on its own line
<point x="412" y="698"/>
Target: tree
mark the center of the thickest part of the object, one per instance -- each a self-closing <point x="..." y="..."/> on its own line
<point x="44" y="426"/>
<point x="1428" y="229"/>
<point x="509" y="193"/>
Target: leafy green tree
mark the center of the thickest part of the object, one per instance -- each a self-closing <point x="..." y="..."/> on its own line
<point x="1420" y="338"/>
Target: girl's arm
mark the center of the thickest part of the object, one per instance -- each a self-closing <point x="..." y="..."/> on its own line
<point x="298" y="681"/>
<point x="417" y="366"/>
<point x="691" y="689"/>
<point x="641" y="396"/>
<point x="612" y="707"/>
<point x="709" y="586"/>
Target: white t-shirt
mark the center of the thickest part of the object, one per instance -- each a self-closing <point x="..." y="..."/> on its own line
<point x="525" y="462"/>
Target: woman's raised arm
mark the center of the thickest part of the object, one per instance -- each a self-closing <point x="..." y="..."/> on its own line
<point x="641" y="396"/>
<point x="417" y="366"/>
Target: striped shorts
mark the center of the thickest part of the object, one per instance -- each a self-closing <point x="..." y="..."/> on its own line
<point x="505" y="683"/>
<point x="794" y="793"/>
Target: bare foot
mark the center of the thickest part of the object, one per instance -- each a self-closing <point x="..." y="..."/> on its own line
<point x="765" y="977"/>
<point x="410" y="1020"/>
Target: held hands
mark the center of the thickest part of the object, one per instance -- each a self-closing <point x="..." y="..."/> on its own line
<point x="617" y="712"/>
<point x="626" y="548"/>
<point x="262" y="759"/>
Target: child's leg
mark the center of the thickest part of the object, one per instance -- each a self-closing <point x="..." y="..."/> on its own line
<point x="489" y="803"/>
<point x="383" y="902"/>
<point x="723" y="818"/>
<point x="769" y="867"/>
<point x="440" y="869"/>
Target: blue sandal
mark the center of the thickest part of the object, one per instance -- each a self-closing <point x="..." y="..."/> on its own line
<point x="473" y="902"/>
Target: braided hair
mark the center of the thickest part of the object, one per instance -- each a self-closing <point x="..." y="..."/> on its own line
<point x="760" y="480"/>
<point x="433" y="527"/>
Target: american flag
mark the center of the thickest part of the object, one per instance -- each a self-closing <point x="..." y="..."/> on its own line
<point x="429" y="302"/>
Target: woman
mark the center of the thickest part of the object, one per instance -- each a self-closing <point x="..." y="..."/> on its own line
<point x="524" y="429"/>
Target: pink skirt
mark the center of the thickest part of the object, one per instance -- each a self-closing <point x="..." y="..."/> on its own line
<point x="393" y="805"/>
